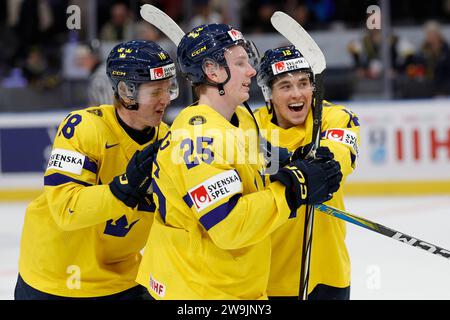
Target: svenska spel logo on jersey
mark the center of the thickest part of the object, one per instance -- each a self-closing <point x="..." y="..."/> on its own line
<point x="200" y="197"/>
<point x="289" y="65"/>
<point x="343" y="136"/>
<point x="162" y="72"/>
<point x="66" y="160"/>
<point x="335" y="134"/>
<point x="216" y="188"/>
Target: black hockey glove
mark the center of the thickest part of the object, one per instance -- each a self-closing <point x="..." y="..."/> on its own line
<point x="309" y="181"/>
<point x="303" y="151"/>
<point x="132" y="187"/>
<point x="275" y="157"/>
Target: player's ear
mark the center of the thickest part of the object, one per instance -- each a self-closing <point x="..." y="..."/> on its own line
<point x="212" y="70"/>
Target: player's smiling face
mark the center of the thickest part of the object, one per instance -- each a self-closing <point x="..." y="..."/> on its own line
<point x="241" y="73"/>
<point x="292" y="98"/>
<point x="153" y="99"/>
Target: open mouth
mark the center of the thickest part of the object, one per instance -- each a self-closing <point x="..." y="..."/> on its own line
<point x="246" y="85"/>
<point x="296" y="107"/>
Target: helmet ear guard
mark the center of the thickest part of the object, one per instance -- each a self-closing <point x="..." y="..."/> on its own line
<point x="210" y="67"/>
<point x="127" y="93"/>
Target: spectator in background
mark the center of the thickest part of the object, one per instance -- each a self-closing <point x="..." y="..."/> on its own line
<point x="145" y="31"/>
<point x="99" y="87"/>
<point x="35" y="66"/>
<point x="120" y="25"/>
<point x="204" y="13"/>
<point x="323" y="11"/>
<point x="301" y="13"/>
<point x="256" y="15"/>
<point x="38" y="69"/>
<point x="435" y="57"/>
<point x="366" y="54"/>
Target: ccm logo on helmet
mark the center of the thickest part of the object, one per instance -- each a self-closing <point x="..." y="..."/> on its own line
<point x="289" y="65"/>
<point x="119" y="73"/>
<point x="162" y="72"/>
<point x="196" y="52"/>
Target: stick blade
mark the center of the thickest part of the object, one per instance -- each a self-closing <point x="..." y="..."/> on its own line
<point x="163" y="22"/>
<point x="294" y="32"/>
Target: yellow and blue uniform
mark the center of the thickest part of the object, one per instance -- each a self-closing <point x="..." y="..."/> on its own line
<point x="78" y="239"/>
<point x="330" y="263"/>
<point x="211" y="235"/>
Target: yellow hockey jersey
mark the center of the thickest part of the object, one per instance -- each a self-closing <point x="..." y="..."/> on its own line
<point x="78" y="240"/>
<point x="330" y="263"/>
<point x="210" y="237"/>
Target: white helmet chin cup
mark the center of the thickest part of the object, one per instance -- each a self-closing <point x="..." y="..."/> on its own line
<point x="267" y="93"/>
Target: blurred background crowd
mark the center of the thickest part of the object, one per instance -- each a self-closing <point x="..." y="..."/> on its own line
<point x="45" y="64"/>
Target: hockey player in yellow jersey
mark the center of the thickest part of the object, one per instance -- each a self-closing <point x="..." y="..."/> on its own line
<point x="287" y="83"/>
<point x="83" y="236"/>
<point x="210" y="237"/>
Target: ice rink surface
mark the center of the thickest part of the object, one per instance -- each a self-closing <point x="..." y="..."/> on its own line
<point x="382" y="268"/>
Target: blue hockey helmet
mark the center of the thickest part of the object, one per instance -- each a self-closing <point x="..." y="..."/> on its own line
<point x="276" y="62"/>
<point x="135" y="62"/>
<point x="209" y="42"/>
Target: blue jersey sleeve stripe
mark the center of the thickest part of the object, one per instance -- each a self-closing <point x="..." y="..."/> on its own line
<point x="216" y="215"/>
<point x="57" y="179"/>
<point x="187" y="199"/>
<point x="161" y="200"/>
<point x="90" y="165"/>
<point x="352" y="158"/>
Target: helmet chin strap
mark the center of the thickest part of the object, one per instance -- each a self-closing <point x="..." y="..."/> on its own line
<point x="274" y="115"/>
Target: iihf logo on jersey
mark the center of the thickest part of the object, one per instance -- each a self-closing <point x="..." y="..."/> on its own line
<point x="200" y="197"/>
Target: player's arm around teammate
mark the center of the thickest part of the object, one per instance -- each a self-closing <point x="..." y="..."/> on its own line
<point x="210" y="238"/>
<point x="83" y="236"/>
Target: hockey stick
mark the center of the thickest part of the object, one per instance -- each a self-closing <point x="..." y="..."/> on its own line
<point x="163" y="22"/>
<point x="295" y="33"/>
<point x="388" y="232"/>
